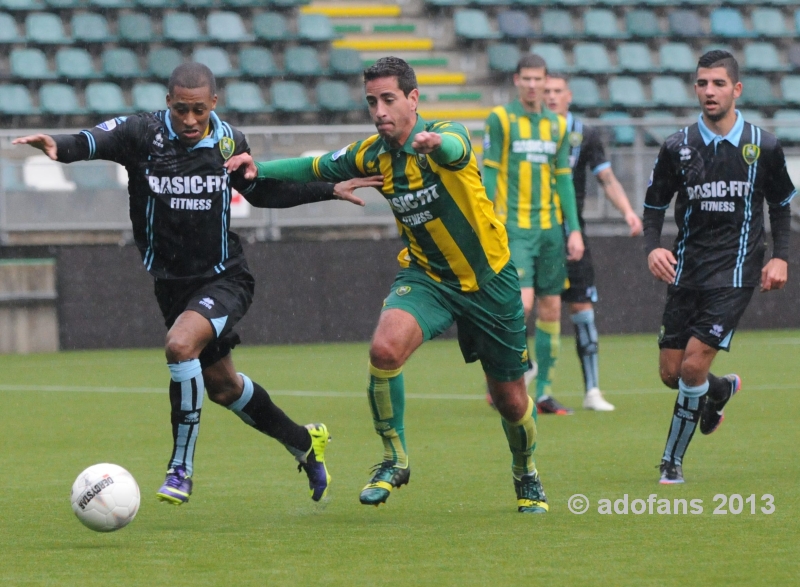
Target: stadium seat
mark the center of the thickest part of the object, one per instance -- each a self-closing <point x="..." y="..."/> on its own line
<point x="797" y="20"/>
<point x="161" y="61"/>
<point x="197" y="4"/>
<point x="119" y="62"/>
<point x="345" y="62"/>
<point x="244" y="3"/>
<point x="762" y="57"/>
<point x="677" y="57"/>
<point x="45" y="29"/>
<point x="72" y="63"/>
<point x="728" y="22"/>
<point x="790" y="89"/>
<point x="29" y="64"/>
<point x="601" y="23"/>
<point x="227" y="27"/>
<point x="553" y="54"/>
<point x="135" y="28"/>
<point x="302" y="61"/>
<point x="657" y="134"/>
<point x="289" y="3"/>
<point x="515" y="24"/>
<point x="557" y="23"/>
<point x="22" y="5"/>
<point x="793" y="55"/>
<point x="271" y="26"/>
<point x="315" y="28"/>
<point x="110" y="4"/>
<point x="768" y="22"/>
<point x="244" y="97"/>
<point x="257" y="62"/>
<point x="642" y="24"/>
<point x="754" y="116"/>
<point x="473" y="25"/>
<point x="785" y="133"/>
<point x="621" y="134"/>
<point x="503" y="57"/>
<point x="756" y="91"/>
<point x="59" y="99"/>
<point x="290" y="97"/>
<point x="90" y="27"/>
<point x="685" y="23"/>
<point x="156" y="4"/>
<point x="105" y="98"/>
<point x="585" y="93"/>
<point x="8" y="29"/>
<point x="216" y="59"/>
<point x="15" y="100"/>
<point x="592" y="58"/>
<point x="92" y="176"/>
<point x="334" y="96"/>
<point x="181" y="27"/>
<point x="671" y="91"/>
<point x="149" y="97"/>
<point x="634" y="57"/>
<point x="626" y="92"/>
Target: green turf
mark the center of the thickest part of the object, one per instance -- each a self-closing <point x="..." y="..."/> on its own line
<point x="250" y="521"/>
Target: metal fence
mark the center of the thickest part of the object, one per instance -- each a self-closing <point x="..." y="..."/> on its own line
<point x="38" y="195"/>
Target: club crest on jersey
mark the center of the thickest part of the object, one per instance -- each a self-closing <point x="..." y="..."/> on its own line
<point x="403" y="290"/>
<point x="422" y="160"/>
<point x="751" y="153"/>
<point x="575" y="139"/>
<point x="227" y="146"/>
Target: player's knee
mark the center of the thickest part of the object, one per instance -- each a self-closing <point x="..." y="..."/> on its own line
<point x="669" y="377"/>
<point x="384" y="354"/>
<point x="178" y="348"/>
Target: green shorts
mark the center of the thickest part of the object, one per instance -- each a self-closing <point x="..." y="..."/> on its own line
<point x="490" y="321"/>
<point x="541" y="260"/>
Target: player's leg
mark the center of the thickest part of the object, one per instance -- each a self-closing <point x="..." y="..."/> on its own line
<point x="523" y="250"/>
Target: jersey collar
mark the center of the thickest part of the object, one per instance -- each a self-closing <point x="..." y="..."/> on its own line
<point x="732" y="137"/>
<point x="570" y="121"/>
<point x="518" y="109"/>
<point x="206" y="143"/>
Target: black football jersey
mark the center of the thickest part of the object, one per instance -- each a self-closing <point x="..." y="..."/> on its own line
<point x="586" y="151"/>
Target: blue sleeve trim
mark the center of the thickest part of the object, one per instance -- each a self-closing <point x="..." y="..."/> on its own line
<point x="789" y="199"/>
<point x="601" y="167"/>
<point x="657" y="207"/>
<point x="92" y="144"/>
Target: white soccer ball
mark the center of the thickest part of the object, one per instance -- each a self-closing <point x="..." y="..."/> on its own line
<point x="105" y="497"/>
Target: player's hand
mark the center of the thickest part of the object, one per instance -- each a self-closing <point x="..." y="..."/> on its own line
<point x="634" y="223"/>
<point x="243" y="161"/>
<point x="45" y="143"/>
<point x="426" y="142"/>
<point x="575" y="246"/>
<point x="661" y="263"/>
<point x="774" y="275"/>
<point x="345" y="190"/>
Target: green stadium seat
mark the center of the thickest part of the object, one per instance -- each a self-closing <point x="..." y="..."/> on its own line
<point x="244" y="3"/>
<point x="677" y="57"/>
<point x="156" y="4"/>
<point x="22" y="5"/>
<point x="601" y="23"/>
<point x="92" y="175"/>
<point x="290" y="97"/>
<point x="762" y="57"/>
<point x="271" y="26"/>
<point x="216" y="59"/>
<point x="756" y="91"/>
<point x="161" y="62"/>
<point x="592" y="58"/>
<point x="135" y="27"/>
<point x="59" y="99"/>
<point x="245" y="97"/>
<point x="29" y="64"/>
<point x="15" y="100"/>
<point x="503" y="57"/>
<point x="181" y="27"/>
<point x="446" y="3"/>
<point x="110" y="4"/>
<point x="797" y="20"/>
<point x="197" y="4"/>
<point x="8" y="29"/>
<point x="768" y="22"/>
<point x="621" y="134"/>
<point x="790" y="89"/>
<point x="122" y="63"/>
<point x="626" y="92"/>
<point x="105" y="98"/>
<point x="44" y="28"/>
<point x="718" y="47"/>
<point x="553" y="54"/>
<point x="315" y="28"/>
<point x="149" y="97"/>
<point x="585" y="93"/>
<point x="793" y="55"/>
<point x="72" y="63"/>
<point x="754" y="116"/>
<point x="786" y="133"/>
<point x="728" y="22"/>
<point x="90" y="27"/>
<point x="257" y="62"/>
<point x="334" y="96"/>
<point x="63" y="4"/>
<point x="634" y="57"/>
<point x="515" y="24"/>
<point x="557" y="23"/>
<point x="289" y="3"/>
<point x="473" y="25"/>
<point x="227" y="27"/>
<point x="671" y="91"/>
<point x="657" y="134"/>
<point x="685" y="24"/>
<point x="302" y="61"/>
<point x="345" y="62"/>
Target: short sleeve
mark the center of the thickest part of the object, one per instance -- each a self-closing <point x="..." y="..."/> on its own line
<point x="595" y="151"/>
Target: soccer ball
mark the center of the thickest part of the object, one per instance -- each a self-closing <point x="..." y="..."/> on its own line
<point x="105" y="497"/>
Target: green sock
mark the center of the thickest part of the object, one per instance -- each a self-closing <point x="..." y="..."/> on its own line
<point x="548" y="347"/>
<point x="388" y="402"/>
<point x="521" y="437"/>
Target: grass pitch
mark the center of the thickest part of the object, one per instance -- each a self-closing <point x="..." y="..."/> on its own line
<point x="250" y="520"/>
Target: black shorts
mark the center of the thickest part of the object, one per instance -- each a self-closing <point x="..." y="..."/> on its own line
<point x="581" y="279"/>
<point x="709" y="315"/>
<point x="223" y="300"/>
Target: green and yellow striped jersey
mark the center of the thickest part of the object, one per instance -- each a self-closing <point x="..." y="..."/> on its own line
<point x="528" y="150"/>
<point x="442" y="212"/>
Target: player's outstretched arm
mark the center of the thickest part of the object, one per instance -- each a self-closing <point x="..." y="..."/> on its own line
<point x="615" y="194"/>
<point x="45" y="143"/>
<point x="774" y="274"/>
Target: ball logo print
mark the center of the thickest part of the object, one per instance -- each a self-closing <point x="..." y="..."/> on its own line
<point x="105" y="497"/>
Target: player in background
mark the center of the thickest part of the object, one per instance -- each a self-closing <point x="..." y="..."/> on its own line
<point x="180" y="195"/>
<point x="722" y="169"/>
<point x="527" y="174"/>
<point x="586" y="150"/>
<point x="455" y="268"/>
